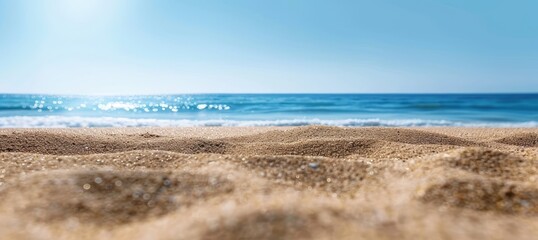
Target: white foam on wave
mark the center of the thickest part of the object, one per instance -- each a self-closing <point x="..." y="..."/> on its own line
<point x="77" y="122"/>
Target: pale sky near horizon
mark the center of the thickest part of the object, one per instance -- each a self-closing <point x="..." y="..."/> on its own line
<point x="167" y="46"/>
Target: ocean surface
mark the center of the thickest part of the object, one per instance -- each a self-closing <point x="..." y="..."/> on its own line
<point x="474" y="110"/>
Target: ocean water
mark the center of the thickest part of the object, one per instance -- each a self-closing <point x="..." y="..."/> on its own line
<point x="495" y="110"/>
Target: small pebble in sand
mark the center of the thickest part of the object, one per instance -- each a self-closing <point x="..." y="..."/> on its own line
<point x="98" y="180"/>
<point x="313" y="165"/>
<point x="167" y="183"/>
<point x="118" y="183"/>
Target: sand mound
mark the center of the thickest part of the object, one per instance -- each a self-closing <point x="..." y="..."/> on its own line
<point x="104" y="197"/>
<point x="400" y="135"/>
<point x="186" y="146"/>
<point x="306" y="141"/>
<point x="491" y="163"/>
<point x="277" y="224"/>
<point x="484" y="195"/>
<point x="146" y="135"/>
<point x="326" y="148"/>
<point x="522" y="139"/>
<point x="14" y="164"/>
<point x="53" y="143"/>
<point x="271" y="225"/>
<point x="63" y="144"/>
<point x="332" y="175"/>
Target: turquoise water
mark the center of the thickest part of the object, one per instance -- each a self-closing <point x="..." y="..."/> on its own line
<point x="505" y="110"/>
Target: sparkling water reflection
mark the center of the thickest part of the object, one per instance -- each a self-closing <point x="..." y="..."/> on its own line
<point x="269" y="109"/>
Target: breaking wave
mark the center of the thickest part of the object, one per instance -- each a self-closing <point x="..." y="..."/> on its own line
<point x="78" y="122"/>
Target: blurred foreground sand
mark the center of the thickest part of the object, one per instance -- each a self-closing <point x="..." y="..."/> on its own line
<point x="269" y="183"/>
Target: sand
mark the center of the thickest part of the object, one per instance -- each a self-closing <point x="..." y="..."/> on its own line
<point x="269" y="183"/>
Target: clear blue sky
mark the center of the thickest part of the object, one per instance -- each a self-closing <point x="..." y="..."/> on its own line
<point x="169" y="46"/>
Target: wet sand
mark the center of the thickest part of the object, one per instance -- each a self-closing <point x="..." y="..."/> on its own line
<point x="269" y="183"/>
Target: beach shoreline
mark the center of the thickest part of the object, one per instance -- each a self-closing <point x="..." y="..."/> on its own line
<point x="312" y="182"/>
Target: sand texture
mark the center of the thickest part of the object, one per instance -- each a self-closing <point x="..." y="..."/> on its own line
<point x="269" y="183"/>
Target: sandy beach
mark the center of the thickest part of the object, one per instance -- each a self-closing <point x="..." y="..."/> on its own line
<point x="269" y="183"/>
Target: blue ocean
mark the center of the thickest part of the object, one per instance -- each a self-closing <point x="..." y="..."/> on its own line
<point x="473" y="110"/>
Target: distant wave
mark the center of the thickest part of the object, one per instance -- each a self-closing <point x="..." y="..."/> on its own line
<point x="78" y="122"/>
<point x="16" y="108"/>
